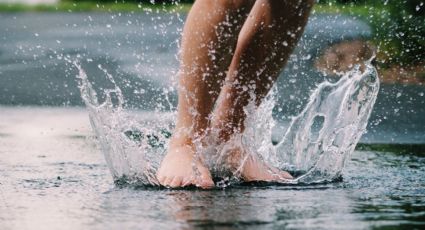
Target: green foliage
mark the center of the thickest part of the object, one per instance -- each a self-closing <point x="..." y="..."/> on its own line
<point x="405" y="28"/>
<point x="89" y="5"/>
<point x="399" y="26"/>
<point x="132" y="1"/>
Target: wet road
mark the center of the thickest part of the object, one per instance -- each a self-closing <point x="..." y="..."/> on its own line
<point x="140" y="51"/>
<point x="54" y="177"/>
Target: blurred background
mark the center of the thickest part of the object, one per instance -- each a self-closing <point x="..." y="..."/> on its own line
<point x="53" y="176"/>
<point x="137" y="41"/>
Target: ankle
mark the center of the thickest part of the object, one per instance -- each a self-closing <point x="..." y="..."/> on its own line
<point x="223" y="133"/>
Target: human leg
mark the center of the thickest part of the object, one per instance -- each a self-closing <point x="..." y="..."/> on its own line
<point x="208" y="44"/>
<point x="265" y="42"/>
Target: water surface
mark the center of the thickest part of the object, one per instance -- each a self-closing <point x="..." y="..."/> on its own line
<point x="54" y="177"/>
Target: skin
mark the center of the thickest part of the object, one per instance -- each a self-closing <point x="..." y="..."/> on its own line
<point x="230" y="51"/>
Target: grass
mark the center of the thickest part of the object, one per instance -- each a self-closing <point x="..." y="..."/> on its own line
<point x="65" y="6"/>
<point x="69" y="6"/>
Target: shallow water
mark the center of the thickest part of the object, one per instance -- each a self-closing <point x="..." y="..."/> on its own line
<point x="54" y="177"/>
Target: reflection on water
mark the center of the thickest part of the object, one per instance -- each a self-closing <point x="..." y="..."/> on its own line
<point x="54" y="177"/>
<point x="53" y="180"/>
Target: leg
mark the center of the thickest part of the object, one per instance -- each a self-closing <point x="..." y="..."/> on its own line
<point x="207" y="47"/>
<point x="265" y="42"/>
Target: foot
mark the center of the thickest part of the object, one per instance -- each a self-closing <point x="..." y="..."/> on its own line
<point x="180" y="168"/>
<point x="253" y="169"/>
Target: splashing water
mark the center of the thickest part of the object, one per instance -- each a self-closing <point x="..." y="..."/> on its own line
<point x="321" y="139"/>
<point x="317" y="144"/>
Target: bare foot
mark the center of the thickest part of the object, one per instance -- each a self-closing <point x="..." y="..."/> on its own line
<point x="253" y="169"/>
<point x="179" y="168"/>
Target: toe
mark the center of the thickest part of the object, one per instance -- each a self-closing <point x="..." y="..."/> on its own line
<point x="187" y="181"/>
<point x="167" y="181"/>
<point x="286" y="175"/>
<point x="161" y="179"/>
<point x="205" y="179"/>
<point x="176" y="182"/>
<point x="279" y="175"/>
<point x="206" y="184"/>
